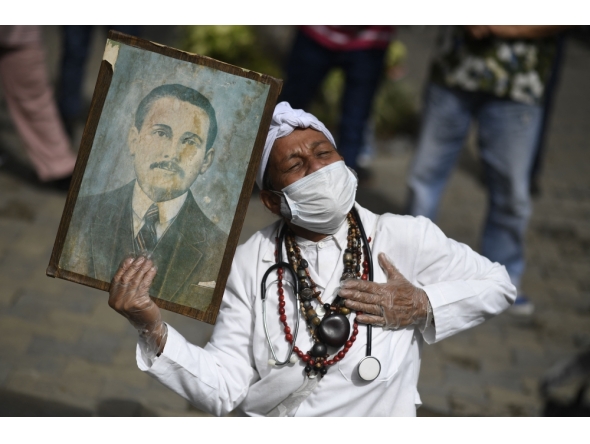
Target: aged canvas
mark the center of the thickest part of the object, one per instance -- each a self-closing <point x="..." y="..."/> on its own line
<point x="168" y="163"/>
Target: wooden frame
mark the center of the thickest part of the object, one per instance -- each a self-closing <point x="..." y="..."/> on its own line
<point x="254" y="97"/>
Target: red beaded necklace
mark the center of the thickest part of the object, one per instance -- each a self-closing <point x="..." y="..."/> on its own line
<point x="334" y="328"/>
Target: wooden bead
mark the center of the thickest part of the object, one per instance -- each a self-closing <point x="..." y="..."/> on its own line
<point x="289" y="338"/>
<point x="281" y="311"/>
<point x="341" y="355"/>
<point x="319" y="349"/>
<point x="316" y="321"/>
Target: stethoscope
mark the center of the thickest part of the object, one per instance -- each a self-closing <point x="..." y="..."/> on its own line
<point x="369" y="367"/>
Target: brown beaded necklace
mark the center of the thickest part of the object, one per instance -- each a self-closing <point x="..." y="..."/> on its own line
<point x="334" y="328"/>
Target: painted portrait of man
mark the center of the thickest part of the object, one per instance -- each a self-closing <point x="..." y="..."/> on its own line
<point x="171" y="142"/>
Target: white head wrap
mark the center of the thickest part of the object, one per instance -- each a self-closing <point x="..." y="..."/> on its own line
<point x="284" y="121"/>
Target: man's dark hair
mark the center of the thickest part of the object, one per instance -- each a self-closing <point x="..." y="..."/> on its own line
<point x="185" y="94"/>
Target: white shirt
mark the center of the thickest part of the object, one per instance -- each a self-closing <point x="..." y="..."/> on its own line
<point x="167" y="210"/>
<point x="233" y="371"/>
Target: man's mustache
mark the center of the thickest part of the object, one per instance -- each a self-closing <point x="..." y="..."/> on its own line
<point x="170" y="166"/>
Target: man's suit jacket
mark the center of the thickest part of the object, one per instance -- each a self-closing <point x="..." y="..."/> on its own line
<point x="188" y="254"/>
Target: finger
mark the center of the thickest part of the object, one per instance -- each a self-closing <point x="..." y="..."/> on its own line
<point x="360" y="285"/>
<point x="370" y="319"/>
<point x="147" y="280"/>
<point x="365" y="308"/>
<point x="133" y="270"/>
<point x="390" y="270"/>
<point x="361" y="296"/>
<point x="144" y="269"/>
<point x="125" y="264"/>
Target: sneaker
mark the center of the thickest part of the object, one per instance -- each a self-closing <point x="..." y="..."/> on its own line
<point x="522" y="306"/>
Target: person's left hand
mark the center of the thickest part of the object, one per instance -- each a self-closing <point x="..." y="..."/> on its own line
<point x="395" y="304"/>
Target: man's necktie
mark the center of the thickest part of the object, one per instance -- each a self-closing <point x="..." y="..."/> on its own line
<point x="146" y="238"/>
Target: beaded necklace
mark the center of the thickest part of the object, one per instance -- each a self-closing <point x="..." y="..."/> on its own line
<point x="334" y="328"/>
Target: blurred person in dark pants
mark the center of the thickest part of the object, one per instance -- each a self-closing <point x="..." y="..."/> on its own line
<point x="76" y="45"/>
<point x="359" y="51"/>
<point x="31" y="104"/>
<point x="496" y="75"/>
<point x="550" y="90"/>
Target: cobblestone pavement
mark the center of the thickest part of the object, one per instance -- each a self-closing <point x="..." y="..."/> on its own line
<point x="63" y="351"/>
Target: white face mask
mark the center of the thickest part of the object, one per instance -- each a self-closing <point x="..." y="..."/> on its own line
<point x="321" y="200"/>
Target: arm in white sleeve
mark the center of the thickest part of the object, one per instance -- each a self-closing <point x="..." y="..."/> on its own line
<point x="215" y="378"/>
<point x="464" y="288"/>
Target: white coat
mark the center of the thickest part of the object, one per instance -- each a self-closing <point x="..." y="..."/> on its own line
<point x="233" y="370"/>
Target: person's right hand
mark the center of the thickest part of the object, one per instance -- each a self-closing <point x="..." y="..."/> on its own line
<point x="129" y="296"/>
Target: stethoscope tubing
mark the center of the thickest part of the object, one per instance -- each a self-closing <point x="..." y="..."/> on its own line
<point x="295" y="285"/>
<point x="369" y="258"/>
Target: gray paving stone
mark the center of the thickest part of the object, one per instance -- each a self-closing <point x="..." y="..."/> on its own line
<point x="51" y="365"/>
<point x="97" y="346"/>
<point x="5" y="369"/>
<point x="461" y="375"/>
<point x="35" y="305"/>
<point x="43" y="347"/>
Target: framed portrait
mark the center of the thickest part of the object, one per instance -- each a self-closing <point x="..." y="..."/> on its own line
<point x="166" y="166"/>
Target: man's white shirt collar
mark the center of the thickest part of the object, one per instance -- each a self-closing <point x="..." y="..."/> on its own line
<point x="167" y="210"/>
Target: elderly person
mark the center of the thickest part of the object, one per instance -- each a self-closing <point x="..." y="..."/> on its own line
<point x="427" y="287"/>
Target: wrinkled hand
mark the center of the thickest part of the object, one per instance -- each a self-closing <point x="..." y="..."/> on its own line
<point x="395" y="304"/>
<point x="129" y="296"/>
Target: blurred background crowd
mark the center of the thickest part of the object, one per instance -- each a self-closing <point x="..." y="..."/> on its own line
<point x="480" y="128"/>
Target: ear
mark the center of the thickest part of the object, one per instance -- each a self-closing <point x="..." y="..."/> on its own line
<point x="271" y="201"/>
<point x="132" y="139"/>
<point x="207" y="161"/>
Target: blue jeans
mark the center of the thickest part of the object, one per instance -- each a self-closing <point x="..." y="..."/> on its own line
<point x="507" y="135"/>
<point x="308" y="65"/>
<point x="76" y="45"/>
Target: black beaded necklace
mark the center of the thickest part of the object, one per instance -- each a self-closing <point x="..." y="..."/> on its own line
<point x="334" y="329"/>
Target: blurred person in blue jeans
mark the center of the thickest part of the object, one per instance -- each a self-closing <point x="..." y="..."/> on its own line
<point x="495" y="75"/>
<point x="76" y="46"/>
<point x="359" y="51"/>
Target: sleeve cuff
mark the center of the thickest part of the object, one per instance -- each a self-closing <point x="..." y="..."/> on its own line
<point x="174" y="343"/>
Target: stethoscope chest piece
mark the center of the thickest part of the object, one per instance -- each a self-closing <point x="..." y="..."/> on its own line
<point x="369" y="368"/>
